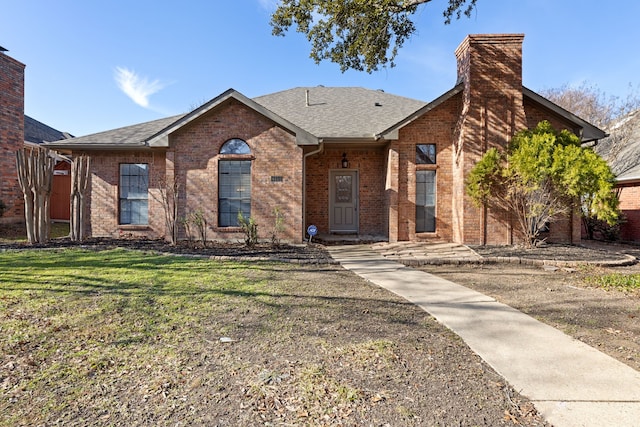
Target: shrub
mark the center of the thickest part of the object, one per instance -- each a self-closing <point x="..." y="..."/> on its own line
<point x="249" y="228"/>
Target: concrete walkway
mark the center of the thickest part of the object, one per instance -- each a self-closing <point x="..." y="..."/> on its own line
<point x="570" y="383"/>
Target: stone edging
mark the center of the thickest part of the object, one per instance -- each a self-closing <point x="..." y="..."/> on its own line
<point x="625" y="261"/>
<point x="329" y="261"/>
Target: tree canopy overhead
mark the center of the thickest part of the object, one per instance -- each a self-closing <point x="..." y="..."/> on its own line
<point x="357" y="34"/>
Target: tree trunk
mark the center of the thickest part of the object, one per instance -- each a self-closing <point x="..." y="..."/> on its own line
<point x="79" y="180"/>
<point x="35" y="172"/>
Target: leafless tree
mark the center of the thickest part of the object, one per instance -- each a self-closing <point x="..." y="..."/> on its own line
<point x="619" y="117"/>
<point x="168" y="197"/>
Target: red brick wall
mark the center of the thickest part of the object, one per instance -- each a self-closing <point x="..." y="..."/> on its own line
<point x="102" y="195"/>
<point x="193" y="157"/>
<point x="11" y="135"/>
<point x="536" y="113"/>
<point x="435" y="127"/>
<point x="274" y="153"/>
<point x="630" y="207"/>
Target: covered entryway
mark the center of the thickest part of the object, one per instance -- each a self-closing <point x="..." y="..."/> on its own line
<point x="343" y="201"/>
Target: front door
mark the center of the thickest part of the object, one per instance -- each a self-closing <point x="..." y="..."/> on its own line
<point x="343" y="201"/>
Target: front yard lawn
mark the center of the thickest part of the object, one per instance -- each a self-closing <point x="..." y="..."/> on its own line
<point x="122" y="337"/>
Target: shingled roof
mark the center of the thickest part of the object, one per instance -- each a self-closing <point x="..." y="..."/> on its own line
<point x="37" y="132"/>
<point x="331" y="113"/>
<point x="340" y="112"/>
<point x="128" y="137"/>
<point x="313" y="114"/>
<point x="622" y="148"/>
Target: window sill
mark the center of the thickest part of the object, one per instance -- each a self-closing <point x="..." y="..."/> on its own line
<point x="229" y="229"/>
<point x="426" y="234"/>
<point x="134" y="227"/>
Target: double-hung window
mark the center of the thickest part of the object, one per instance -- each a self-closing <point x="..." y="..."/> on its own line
<point x="134" y="194"/>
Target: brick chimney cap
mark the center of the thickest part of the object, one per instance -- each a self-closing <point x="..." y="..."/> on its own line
<point x="488" y="39"/>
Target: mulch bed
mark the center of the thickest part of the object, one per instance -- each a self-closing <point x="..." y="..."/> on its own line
<point x="549" y="252"/>
<point x="303" y="253"/>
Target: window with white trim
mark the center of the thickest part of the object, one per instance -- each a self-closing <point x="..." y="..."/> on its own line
<point x="134" y="194"/>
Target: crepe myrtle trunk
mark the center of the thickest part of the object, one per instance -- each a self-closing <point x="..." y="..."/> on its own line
<point x="35" y="174"/>
<point x="79" y="181"/>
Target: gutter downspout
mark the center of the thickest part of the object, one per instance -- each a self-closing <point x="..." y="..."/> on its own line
<point x="304" y="184"/>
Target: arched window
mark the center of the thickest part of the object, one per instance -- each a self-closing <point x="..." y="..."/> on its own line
<point x="235" y="146"/>
<point x="234" y="183"/>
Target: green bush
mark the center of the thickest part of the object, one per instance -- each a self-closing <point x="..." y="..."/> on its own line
<point x="249" y="228"/>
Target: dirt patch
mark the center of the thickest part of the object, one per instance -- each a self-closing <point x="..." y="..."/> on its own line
<point x="606" y="320"/>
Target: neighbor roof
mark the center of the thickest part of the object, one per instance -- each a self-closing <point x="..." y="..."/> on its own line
<point x="37" y="132"/>
<point x="622" y="149"/>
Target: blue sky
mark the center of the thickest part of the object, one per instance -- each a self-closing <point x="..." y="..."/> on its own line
<point x="98" y="65"/>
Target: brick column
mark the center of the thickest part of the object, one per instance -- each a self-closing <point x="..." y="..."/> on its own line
<point x="391" y="189"/>
<point x="11" y="135"/>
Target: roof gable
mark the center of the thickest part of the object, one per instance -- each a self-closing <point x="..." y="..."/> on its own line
<point x="160" y="139"/>
<point x="392" y="131"/>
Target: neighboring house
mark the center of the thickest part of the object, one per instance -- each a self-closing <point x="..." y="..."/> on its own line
<point x="18" y="131"/>
<point x="347" y="160"/>
<point x="37" y="133"/>
<point x="11" y="134"/>
<point x="622" y="151"/>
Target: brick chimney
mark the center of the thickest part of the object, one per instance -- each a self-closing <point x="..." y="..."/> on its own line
<point x="490" y="67"/>
<point x="11" y="134"/>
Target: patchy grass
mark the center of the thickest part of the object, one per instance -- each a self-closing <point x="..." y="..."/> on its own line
<point x="18" y="232"/>
<point x="619" y="281"/>
<point x="123" y="337"/>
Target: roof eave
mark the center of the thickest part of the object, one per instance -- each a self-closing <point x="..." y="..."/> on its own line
<point x="97" y="147"/>
<point x="590" y="132"/>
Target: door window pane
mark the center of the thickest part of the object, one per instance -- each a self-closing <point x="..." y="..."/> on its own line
<point x="344" y="188"/>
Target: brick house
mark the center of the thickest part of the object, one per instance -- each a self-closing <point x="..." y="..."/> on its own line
<point x="622" y="152"/>
<point x="11" y="134"/>
<point x="348" y="160"/>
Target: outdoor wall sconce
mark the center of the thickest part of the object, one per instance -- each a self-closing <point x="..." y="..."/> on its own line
<point x="345" y="162"/>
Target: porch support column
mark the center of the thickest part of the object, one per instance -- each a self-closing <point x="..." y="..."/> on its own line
<point x="391" y="189"/>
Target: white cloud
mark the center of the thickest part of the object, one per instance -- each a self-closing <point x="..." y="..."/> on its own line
<point x="269" y="4"/>
<point x="138" y="88"/>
